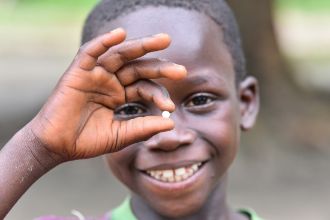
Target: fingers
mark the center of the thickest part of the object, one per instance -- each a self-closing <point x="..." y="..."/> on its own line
<point x="140" y="129"/>
<point x="106" y="88"/>
<point x="89" y="53"/>
<point x="109" y="87"/>
<point x="110" y="93"/>
<point x="150" y="92"/>
<point x="150" y="69"/>
<point x="102" y="56"/>
<point x="119" y="55"/>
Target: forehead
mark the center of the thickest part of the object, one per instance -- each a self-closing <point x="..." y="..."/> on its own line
<point x="197" y="41"/>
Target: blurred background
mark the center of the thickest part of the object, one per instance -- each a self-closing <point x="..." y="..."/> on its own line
<point x="282" y="169"/>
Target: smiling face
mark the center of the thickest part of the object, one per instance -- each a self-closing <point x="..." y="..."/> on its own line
<point x="175" y="172"/>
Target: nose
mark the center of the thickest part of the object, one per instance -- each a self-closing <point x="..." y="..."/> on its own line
<point x="171" y="140"/>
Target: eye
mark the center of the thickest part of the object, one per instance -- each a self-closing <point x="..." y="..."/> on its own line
<point x="200" y="100"/>
<point x="130" y="110"/>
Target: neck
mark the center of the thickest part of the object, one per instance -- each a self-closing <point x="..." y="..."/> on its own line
<point x="214" y="208"/>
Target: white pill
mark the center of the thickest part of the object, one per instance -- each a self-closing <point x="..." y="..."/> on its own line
<point x="166" y="114"/>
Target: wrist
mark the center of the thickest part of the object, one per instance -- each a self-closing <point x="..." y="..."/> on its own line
<point x="37" y="150"/>
<point x="23" y="160"/>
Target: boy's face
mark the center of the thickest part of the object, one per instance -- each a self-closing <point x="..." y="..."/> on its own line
<point x="191" y="160"/>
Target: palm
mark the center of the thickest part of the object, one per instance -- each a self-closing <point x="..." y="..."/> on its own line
<point x="78" y="119"/>
<point x="99" y="135"/>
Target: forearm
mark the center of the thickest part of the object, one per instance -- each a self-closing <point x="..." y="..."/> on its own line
<point x="23" y="160"/>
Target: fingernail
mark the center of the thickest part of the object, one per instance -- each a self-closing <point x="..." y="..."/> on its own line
<point x="117" y="30"/>
<point x="177" y="71"/>
<point x="161" y="35"/>
<point x="170" y="105"/>
<point x="169" y="121"/>
<point x="183" y="68"/>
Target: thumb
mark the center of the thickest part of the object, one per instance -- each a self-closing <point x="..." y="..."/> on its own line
<point x="141" y="128"/>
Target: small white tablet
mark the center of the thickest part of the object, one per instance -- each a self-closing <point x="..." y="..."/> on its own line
<point x="166" y="114"/>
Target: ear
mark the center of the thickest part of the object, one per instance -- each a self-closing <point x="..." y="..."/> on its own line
<point x="249" y="102"/>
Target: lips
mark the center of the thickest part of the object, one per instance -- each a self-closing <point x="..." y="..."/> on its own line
<point x="180" y="170"/>
<point x="169" y="184"/>
<point x="173" y="175"/>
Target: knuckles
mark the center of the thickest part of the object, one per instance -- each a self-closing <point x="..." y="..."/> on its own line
<point x="119" y="99"/>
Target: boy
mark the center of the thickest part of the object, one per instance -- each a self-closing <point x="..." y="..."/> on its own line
<point x="112" y="96"/>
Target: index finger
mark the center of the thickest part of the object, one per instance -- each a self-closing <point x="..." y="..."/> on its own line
<point x="150" y="69"/>
<point x="89" y="53"/>
<point x="129" y="50"/>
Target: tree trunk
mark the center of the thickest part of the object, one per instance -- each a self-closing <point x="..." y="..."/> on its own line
<point x="261" y="48"/>
<point x="287" y="110"/>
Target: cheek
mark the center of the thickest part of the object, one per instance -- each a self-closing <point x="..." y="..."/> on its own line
<point x="122" y="165"/>
<point x="221" y="129"/>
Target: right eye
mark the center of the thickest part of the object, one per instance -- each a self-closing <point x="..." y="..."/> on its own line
<point x="130" y="110"/>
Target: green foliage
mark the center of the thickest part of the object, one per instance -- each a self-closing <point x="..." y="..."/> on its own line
<point x="79" y="4"/>
<point x="308" y="6"/>
<point x="44" y="11"/>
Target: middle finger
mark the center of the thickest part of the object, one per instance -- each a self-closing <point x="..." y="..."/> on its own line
<point x="151" y="92"/>
<point x="150" y="69"/>
<point x="129" y="50"/>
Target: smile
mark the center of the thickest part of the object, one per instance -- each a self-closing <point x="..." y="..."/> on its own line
<point x="174" y="175"/>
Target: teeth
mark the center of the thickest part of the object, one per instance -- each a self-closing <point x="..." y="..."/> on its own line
<point x="195" y="167"/>
<point x="171" y="179"/>
<point x="176" y="175"/>
<point x="168" y="173"/>
<point x="180" y="171"/>
<point x="185" y="176"/>
<point x="190" y="171"/>
<point x="178" y="178"/>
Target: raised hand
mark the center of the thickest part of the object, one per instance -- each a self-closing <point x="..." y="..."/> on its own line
<point x="78" y="119"/>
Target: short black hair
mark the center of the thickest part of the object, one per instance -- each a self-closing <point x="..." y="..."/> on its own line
<point x="217" y="10"/>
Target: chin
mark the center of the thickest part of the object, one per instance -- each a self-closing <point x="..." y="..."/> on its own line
<point x="179" y="199"/>
<point x="176" y="206"/>
<point x="178" y="209"/>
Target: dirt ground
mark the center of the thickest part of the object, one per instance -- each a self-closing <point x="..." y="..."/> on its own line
<point x="278" y="183"/>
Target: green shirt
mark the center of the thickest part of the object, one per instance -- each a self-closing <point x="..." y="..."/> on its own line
<point x="124" y="212"/>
